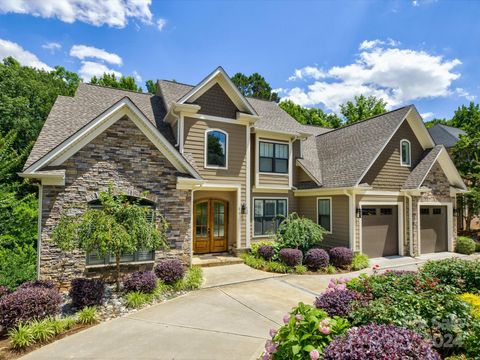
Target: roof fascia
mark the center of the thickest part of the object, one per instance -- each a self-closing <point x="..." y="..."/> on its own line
<point x="419" y="129"/>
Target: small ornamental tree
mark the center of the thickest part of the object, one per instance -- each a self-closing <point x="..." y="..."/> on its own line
<point x="299" y="233"/>
<point x="120" y="226"/>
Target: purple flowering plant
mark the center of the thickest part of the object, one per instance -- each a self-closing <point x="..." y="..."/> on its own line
<point x="304" y="335"/>
<point x="337" y="299"/>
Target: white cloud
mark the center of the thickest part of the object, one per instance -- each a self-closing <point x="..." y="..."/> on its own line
<point x="427" y="115"/>
<point x="82" y="52"/>
<point x="114" y="13"/>
<point x="90" y="69"/>
<point x="307" y="72"/>
<point x="52" y="46"/>
<point x="137" y="76"/>
<point x="394" y="74"/>
<point x="464" y="93"/>
<point x="161" y="24"/>
<point x="24" y="57"/>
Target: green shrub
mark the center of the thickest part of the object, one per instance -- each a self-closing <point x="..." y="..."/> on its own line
<point x="17" y="265"/>
<point x="300" y="269"/>
<point x="254" y="262"/>
<point x="330" y="269"/>
<point x="359" y="262"/>
<point x="465" y="245"/>
<point x="136" y="299"/>
<point x="477" y="246"/>
<point x="299" y="233"/>
<point x="462" y="274"/>
<point x="192" y="280"/>
<point x="306" y="330"/>
<point x="276" y="267"/>
<point x="88" y="315"/>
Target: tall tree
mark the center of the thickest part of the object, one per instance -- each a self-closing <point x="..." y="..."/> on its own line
<point x="362" y="108"/>
<point x="429" y="124"/>
<point x="124" y="82"/>
<point x="151" y="86"/>
<point x="255" y="85"/>
<point x="310" y="116"/>
<point x="466" y="155"/>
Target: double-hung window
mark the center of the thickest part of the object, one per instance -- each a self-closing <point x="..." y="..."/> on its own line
<point x="273" y="157"/>
<point x="138" y="256"/>
<point x="268" y="214"/>
<point x="324" y="211"/>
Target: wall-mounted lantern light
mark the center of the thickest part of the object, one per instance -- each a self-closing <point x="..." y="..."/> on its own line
<point x="359" y="213"/>
<point x="244" y="208"/>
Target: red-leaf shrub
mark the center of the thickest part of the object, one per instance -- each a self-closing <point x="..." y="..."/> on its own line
<point x="28" y="304"/>
<point x="86" y="292"/>
<point x="341" y="257"/>
<point x="143" y="281"/>
<point x="4" y="291"/>
<point x="170" y="271"/>
<point x="337" y="302"/>
<point x="291" y="257"/>
<point x="47" y="284"/>
<point x="266" y="252"/>
<point x="316" y="259"/>
<point x="380" y="342"/>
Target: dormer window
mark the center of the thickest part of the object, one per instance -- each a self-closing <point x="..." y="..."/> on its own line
<point x="405" y="153"/>
<point x="216" y="149"/>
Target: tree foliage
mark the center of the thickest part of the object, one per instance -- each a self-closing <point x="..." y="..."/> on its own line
<point x="119" y="227"/>
<point x="362" y="108"/>
<point x="310" y="116"/>
<point x="429" y="124"/>
<point x="124" y="82"/>
<point x="466" y="155"/>
<point x="151" y="86"/>
<point x="255" y="85"/>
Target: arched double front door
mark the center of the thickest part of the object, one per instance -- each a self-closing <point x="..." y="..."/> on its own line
<point x="210" y="226"/>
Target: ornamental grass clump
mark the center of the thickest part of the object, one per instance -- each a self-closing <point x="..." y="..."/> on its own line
<point x="316" y="259"/>
<point x="291" y="257"/>
<point x="266" y="252"/>
<point x="170" y="271"/>
<point x="380" y="342"/>
<point x="341" y="257"/>
<point x="28" y="304"/>
<point x="142" y="281"/>
<point x="86" y="292"/>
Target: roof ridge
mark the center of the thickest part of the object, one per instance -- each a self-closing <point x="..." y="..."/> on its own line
<point x="119" y="89"/>
<point x="177" y="82"/>
<point x="365" y="120"/>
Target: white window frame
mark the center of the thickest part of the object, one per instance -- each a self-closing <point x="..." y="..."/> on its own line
<point x="253" y="214"/>
<point x="329" y="198"/>
<point x="205" y="149"/>
<point x="288" y="143"/>
<point x="402" y="163"/>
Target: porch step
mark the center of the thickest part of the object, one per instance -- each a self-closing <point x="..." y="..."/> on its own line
<point x="220" y="259"/>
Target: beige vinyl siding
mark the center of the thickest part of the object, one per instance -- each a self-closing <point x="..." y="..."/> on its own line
<point x="267" y="179"/>
<point x="301" y="176"/>
<point x="386" y="173"/>
<point x="307" y="206"/>
<point x="194" y="145"/>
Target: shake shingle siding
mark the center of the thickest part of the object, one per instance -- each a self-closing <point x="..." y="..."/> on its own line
<point x="216" y="103"/>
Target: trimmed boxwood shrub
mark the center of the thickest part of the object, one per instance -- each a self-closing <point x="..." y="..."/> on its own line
<point x="341" y="257"/>
<point x="465" y="245"/>
<point x="291" y="257"/>
<point x="31" y="303"/>
<point x="266" y="252"/>
<point x="380" y="342"/>
<point x="337" y="302"/>
<point x="142" y="281"/>
<point x="4" y="291"/>
<point x="86" y="292"/>
<point x="316" y="259"/>
<point x="47" y="284"/>
<point x="170" y="271"/>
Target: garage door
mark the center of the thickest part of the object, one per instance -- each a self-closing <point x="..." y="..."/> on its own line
<point x="433" y="229"/>
<point x="380" y="230"/>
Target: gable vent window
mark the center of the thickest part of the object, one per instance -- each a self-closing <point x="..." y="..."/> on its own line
<point x="406" y="157"/>
<point x="216" y="149"/>
<point x="273" y="157"/>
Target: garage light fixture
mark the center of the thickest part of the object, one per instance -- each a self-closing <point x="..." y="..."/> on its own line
<point x="455" y="212"/>
<point x="359" y="213"/>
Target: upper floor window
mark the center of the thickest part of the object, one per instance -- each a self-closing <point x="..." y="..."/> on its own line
<point x="273" y="157"/>
<point x="216" y="149"/>
<point x="406" y="157"/>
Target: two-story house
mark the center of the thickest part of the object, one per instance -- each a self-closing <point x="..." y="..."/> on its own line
<point x="224" y="169"/>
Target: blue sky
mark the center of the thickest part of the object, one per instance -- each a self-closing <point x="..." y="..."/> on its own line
<point x="316" y="53"/>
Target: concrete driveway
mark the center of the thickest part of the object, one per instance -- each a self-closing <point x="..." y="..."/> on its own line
<point x="228" y="319"/>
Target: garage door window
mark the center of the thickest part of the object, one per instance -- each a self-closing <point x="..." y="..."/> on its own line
<point x="386" y="211"/>
<point x="369" y="211"/>
<point x="437" y="211"/>
<point x="424" y="211"/>
<point x="325" y="213"/>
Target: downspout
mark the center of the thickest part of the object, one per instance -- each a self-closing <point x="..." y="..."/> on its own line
<point x="410" y="223"/>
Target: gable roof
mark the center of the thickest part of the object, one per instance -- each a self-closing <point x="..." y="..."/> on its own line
<point x="418" y="174"/>
<point x="347" y="153"/>
<point x="445" y="135"/>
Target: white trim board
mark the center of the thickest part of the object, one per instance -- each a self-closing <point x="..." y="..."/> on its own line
<point x="102" y="122"/>
<point x="399" y="224"/>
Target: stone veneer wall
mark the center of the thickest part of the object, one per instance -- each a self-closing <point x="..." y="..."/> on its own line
<point x="438" y="182"/>
<point x="124" y="157"/>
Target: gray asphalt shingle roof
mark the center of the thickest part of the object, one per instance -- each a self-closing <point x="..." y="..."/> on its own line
<point x="70" y="114"/>
<point x="415" y="179"/>
<point x="445" y="135"/>
<point x="345" y="154"/>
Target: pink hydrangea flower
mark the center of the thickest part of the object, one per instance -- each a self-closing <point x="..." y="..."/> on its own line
<point x="341" y="287"/>
<point x="273" y="332"/>
<point x="286" y="318"/>
<point x="314" y="355"/>
<point x="266" y="356"/>
<point x="324" y="330"/>
<point x="271" y="347"/>
<point x="299" y="317"/>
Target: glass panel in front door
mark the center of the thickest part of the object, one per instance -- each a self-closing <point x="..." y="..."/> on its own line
<point x="218" y="219"/>
<point x="201" y="221"/>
